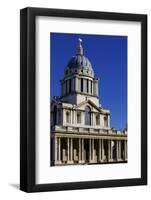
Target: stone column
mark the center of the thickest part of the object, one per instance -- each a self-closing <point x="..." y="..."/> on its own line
<point x="100" y="150"/>
<point x="117" y="154"/>
<point x="109" y="150"/>
<point x="71" y="150"/>
<point x="125" y="150"/>
<point x="82" y="145"/>
<point x="71" y="116"/>
<point x="59" y="149"/>
<point x="84" y="85"/>
<point x="102" y="141"/>
<point x="76" y="84"/>
<point x="92" y="119"/>
<point x="79" y="150"/>
<point x="112" y="150"/>
<point x="56" y="149"/>
<point x="90" y="151"/>
<point x="119" y="149"/>
<point x="68" y="149"/>
<point x="94" y="88"/>
<point x="89" y="87"/>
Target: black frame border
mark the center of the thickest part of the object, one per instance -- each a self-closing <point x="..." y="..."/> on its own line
<point x="27" y="99"/>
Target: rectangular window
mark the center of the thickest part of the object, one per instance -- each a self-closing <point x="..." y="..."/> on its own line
<point x="87" y="86"/>
<point x="91" y="87"/>
<point x="97" y="119"/>
<point x="81" y="84"/>
<point x="78" y="118"/>
<point x="105" y="121"/>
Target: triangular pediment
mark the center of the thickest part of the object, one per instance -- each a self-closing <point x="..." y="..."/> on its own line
<point x="88" y="102"/>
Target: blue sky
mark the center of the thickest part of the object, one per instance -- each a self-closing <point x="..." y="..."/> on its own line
<point x="108" y="56"/>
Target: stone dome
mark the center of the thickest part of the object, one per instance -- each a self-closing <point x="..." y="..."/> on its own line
<point x="79" y="62"/>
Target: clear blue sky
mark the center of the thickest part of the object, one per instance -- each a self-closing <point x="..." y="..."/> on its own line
<point x="108" y="56"/>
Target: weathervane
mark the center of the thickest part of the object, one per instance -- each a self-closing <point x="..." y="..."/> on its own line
<point x="79" y="48"/>
<point x="80" y="41"/>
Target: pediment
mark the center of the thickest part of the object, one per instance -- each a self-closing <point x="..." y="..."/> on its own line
<point x="83" y="104"/>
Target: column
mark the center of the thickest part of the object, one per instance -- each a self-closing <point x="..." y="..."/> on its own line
<point x="93" y="149"/>
<point x="82" y="145"/>
<point x="125" y="150"/>
<point x="89" y="87"/>
<point x="79" y="149"/>
<point x="56" y="149"/>
<point x="71" y="150"/>
<point x="84" y="85"/>
<point x="59" y="149"/>
<point x="68" y="149"/>
<point x="100" y="150"/>
<point x="71" y="116"/>
<point x="94" y="87"/>
<point x="90" y="151"/>
<point x="117" y="150"/>
<point x="102" y="141"/>
<point x="109" y="150"/>
<point x="76" y="84"/>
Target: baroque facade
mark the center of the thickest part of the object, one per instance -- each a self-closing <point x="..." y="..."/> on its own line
<point x="80" y="126"/>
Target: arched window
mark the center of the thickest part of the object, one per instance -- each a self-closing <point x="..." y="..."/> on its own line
<point x="67" y="117"/>
<point x="87" y="115"/>
<point x="78" y="118"/>
<point x="55" y="115"/>
<point x="105" y="122"/>
<point x="97" y="119"/>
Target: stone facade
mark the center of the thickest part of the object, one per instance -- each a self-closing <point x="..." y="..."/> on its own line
<point x="80" y="127"/>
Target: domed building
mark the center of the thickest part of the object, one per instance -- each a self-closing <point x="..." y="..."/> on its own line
<point x="80" y="127"/>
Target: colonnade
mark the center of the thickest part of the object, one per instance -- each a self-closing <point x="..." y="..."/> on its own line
<point x="88" y="150"/>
